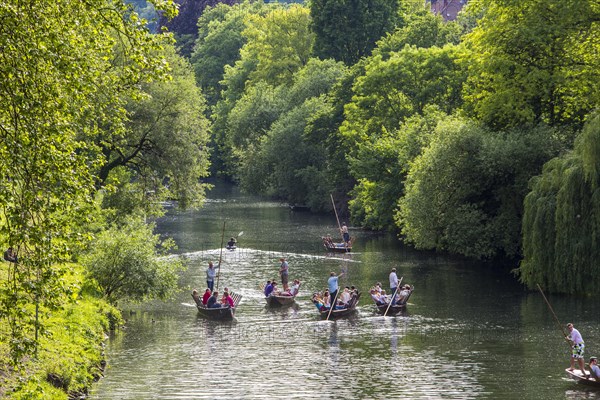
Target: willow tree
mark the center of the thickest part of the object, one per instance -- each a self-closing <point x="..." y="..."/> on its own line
<point x="561" y="224"/>
<point x="64" y="69"/>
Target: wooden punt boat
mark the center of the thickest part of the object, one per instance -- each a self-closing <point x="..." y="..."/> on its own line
<point x="342" y="312"/>
<point x="279" y="300"/>
<point x="583" y="378"/>
<point x="395" y="308"/>
<point x="220" y="313"/>
<point x="337" y="247"/>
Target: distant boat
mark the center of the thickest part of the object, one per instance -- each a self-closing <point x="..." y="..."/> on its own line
<point x="337" y="247"/>
<point x="219" y="313"/>
<point x="583" y="378"/>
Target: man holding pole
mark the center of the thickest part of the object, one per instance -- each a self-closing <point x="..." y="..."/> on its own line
<point x="332" y="284"/>
<point x="577" y="346"/>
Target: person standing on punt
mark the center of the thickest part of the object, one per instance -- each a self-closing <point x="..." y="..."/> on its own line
<point x="577" y="346"/>
<point x="393" y="281"/>
<point x="345" y="233"/>
<point x="332" y="284"/>
<point x="211" y="272"/>
<point x="284" y="272"/>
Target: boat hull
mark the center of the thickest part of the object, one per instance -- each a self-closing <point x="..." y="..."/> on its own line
<point x="280" y="301"/>
<point x="584" y="380"/>
<point x="223" y="313"/>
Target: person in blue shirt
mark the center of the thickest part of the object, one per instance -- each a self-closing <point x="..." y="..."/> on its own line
<point x="332" y="284"/>
<point x="268" y="289"/>
<point x="595" y="369"/>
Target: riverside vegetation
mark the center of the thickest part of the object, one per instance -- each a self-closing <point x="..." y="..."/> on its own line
<point x="477" y="137"/>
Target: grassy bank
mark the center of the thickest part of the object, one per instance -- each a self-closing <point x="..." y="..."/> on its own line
<point x="70" y="354"/>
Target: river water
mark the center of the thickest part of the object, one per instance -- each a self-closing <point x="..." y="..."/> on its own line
<point x="470" y="330"/>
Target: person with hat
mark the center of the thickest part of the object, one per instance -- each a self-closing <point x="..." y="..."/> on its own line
<point x="393" y="281"/>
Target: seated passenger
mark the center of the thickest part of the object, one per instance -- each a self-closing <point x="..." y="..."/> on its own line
<point x="227" y="300"/>
<point x="268" y="289"/>
<point x="326" y="299"/>
<point x="206" y="296"/>
<point x="376" y="297"/>
<point x="345" y="296"/>
<point x="213" y="301"/>
<point x="403" y="295"/>
<point x="295" y="287"/>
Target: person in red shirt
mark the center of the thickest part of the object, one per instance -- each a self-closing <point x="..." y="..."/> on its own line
<point x="206" y="296"/>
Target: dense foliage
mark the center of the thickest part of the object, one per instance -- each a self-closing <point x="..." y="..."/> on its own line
<point x="432" y="131"/>
<point x="561" y="226"/>
<point x="100" y="120"/>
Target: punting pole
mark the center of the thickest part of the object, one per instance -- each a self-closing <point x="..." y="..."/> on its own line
<point x="393" y="296"/>
<point x="553" y="313"/>
<point x="221" y="255"/>
<point x="338" y="221"/>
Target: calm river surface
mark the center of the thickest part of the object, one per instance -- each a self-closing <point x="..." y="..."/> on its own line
<point x="469" y="332"/>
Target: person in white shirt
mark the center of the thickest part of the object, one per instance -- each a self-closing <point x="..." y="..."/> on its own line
<point x="577" y="346"/>
<point x="393" y="281"/>
<point x="345" y="296"/>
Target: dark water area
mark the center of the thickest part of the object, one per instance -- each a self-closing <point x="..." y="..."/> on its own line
<point x="470" y="330"/>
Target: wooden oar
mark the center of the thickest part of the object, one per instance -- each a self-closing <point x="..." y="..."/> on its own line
<point x="338" y="221"/>
<point x="221" y="255"/>
<point x="331" y="305"/>
<point x="393" y="297"/>
<point x="553" y="313"/>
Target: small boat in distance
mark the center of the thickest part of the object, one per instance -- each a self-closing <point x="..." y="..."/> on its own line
<point x="583" y="377"/>
<point x="337" y="247"/>
<point x="218" y="313"/>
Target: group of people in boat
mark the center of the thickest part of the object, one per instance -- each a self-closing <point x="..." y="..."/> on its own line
<point x="323" y="300"/>
<point x="271" y="289"/>
<point x="210" y="299"/>
<point x="330" y="244"/>
<point x="397" y="296"/>
<point x="380" y="297"/>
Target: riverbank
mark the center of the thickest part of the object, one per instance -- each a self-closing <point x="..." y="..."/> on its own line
<point x="71" y="351"/>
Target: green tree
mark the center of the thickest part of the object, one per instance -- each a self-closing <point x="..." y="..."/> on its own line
<point x="288" y="162"/>
<point x="125" y="263"/>
<point x="59" y="89"/>
<point x="347" y="30"/>
<point x="165" y="139"/>
<point x="532" y="61"/>
<point x="422" y="28"/>
<point x="383" y="166"/>
<point x="278" y="44"/>
<point x="561" y="223"/>
<point x="464" y="193"/>
<point x="219" y="42"/>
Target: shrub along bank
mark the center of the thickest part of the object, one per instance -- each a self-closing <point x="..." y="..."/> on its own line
<point x="70" y="354"/>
